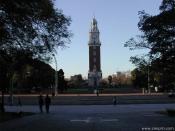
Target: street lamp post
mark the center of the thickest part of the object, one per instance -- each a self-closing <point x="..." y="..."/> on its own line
<point x="148" y="80"/>
<point x="56" y="75"/>
<point x="11" y="92"/>
<point x="149" y="90"/>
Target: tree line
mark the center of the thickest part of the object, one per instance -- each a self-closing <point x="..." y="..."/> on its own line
<point x="30" y="32"/>
<point x="157" y="67"/>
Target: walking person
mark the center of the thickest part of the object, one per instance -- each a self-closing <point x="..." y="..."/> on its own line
<point x="47" y="103"/>
<point x="114" y="100"/>
<point x="41" y="103"/>
<point x="19" y="105"/>
<point x="19" y="102"/>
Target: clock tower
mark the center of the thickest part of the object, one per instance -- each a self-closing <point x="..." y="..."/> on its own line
<point x="95" y="73"/>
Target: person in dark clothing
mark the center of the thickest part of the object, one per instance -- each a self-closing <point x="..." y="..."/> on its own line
<point x="41" y="103"/>
<point x="47" y="103"/>
<point x="19" y="106"/>
<point x="19" y="102"/>
<point x="114" y="100"/>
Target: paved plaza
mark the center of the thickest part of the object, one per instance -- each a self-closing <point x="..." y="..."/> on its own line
<point x="131" y="117"/>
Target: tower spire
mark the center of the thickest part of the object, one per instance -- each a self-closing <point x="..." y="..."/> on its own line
<point x="94" y="27"/>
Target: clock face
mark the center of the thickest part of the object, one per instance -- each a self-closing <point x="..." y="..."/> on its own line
<point x="94" y="37"/>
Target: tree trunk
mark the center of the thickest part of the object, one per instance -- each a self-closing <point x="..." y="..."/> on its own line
<point x="2" y="102"/>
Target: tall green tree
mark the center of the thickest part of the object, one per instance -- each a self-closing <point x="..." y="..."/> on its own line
<point x="61" y="80"/>
<point x="139" y="78"/>
<point x="36" y="74"/>
<point x="3" y="81"/>
<point x="33" y="27"/>
<point x="158" y="36"/>
<point x="110" y="80"/>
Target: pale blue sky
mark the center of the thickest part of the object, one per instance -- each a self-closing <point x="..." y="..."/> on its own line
<point x="117" y="22"/>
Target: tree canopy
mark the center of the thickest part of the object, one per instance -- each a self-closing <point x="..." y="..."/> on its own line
<point x="61" y="81"/>
<point x="158" y="35"/>
<point x="30" y="30"/>
<point x="33" y="25"/>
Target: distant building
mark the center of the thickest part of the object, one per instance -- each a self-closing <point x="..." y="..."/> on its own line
<point x="95" y="73"/>
<point x="76" y="78"/>
<point x="77" y="81"/>
<point x="126" y="73"/>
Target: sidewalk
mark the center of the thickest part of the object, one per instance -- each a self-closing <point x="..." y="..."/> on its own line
<point x="91" y="118"/>
<point x="111" y="94"/>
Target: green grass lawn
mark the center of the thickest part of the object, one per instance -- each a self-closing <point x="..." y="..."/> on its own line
<point x="79" y="90"/>
<point x="13" y="115"/>
<point x="102" y="90"/>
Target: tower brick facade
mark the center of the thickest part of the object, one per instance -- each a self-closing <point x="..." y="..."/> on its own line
<point x="95" y="73"/>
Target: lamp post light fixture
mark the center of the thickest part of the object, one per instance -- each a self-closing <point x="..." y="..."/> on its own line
<point x="56" y="75"/>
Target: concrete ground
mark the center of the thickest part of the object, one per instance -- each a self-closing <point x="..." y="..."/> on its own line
<point x="130" y="117"/>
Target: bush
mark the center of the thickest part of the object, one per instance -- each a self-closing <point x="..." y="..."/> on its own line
<point x="171" y="112"/>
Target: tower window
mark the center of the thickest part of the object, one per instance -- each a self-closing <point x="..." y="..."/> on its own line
<point x="94" y="47"/>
